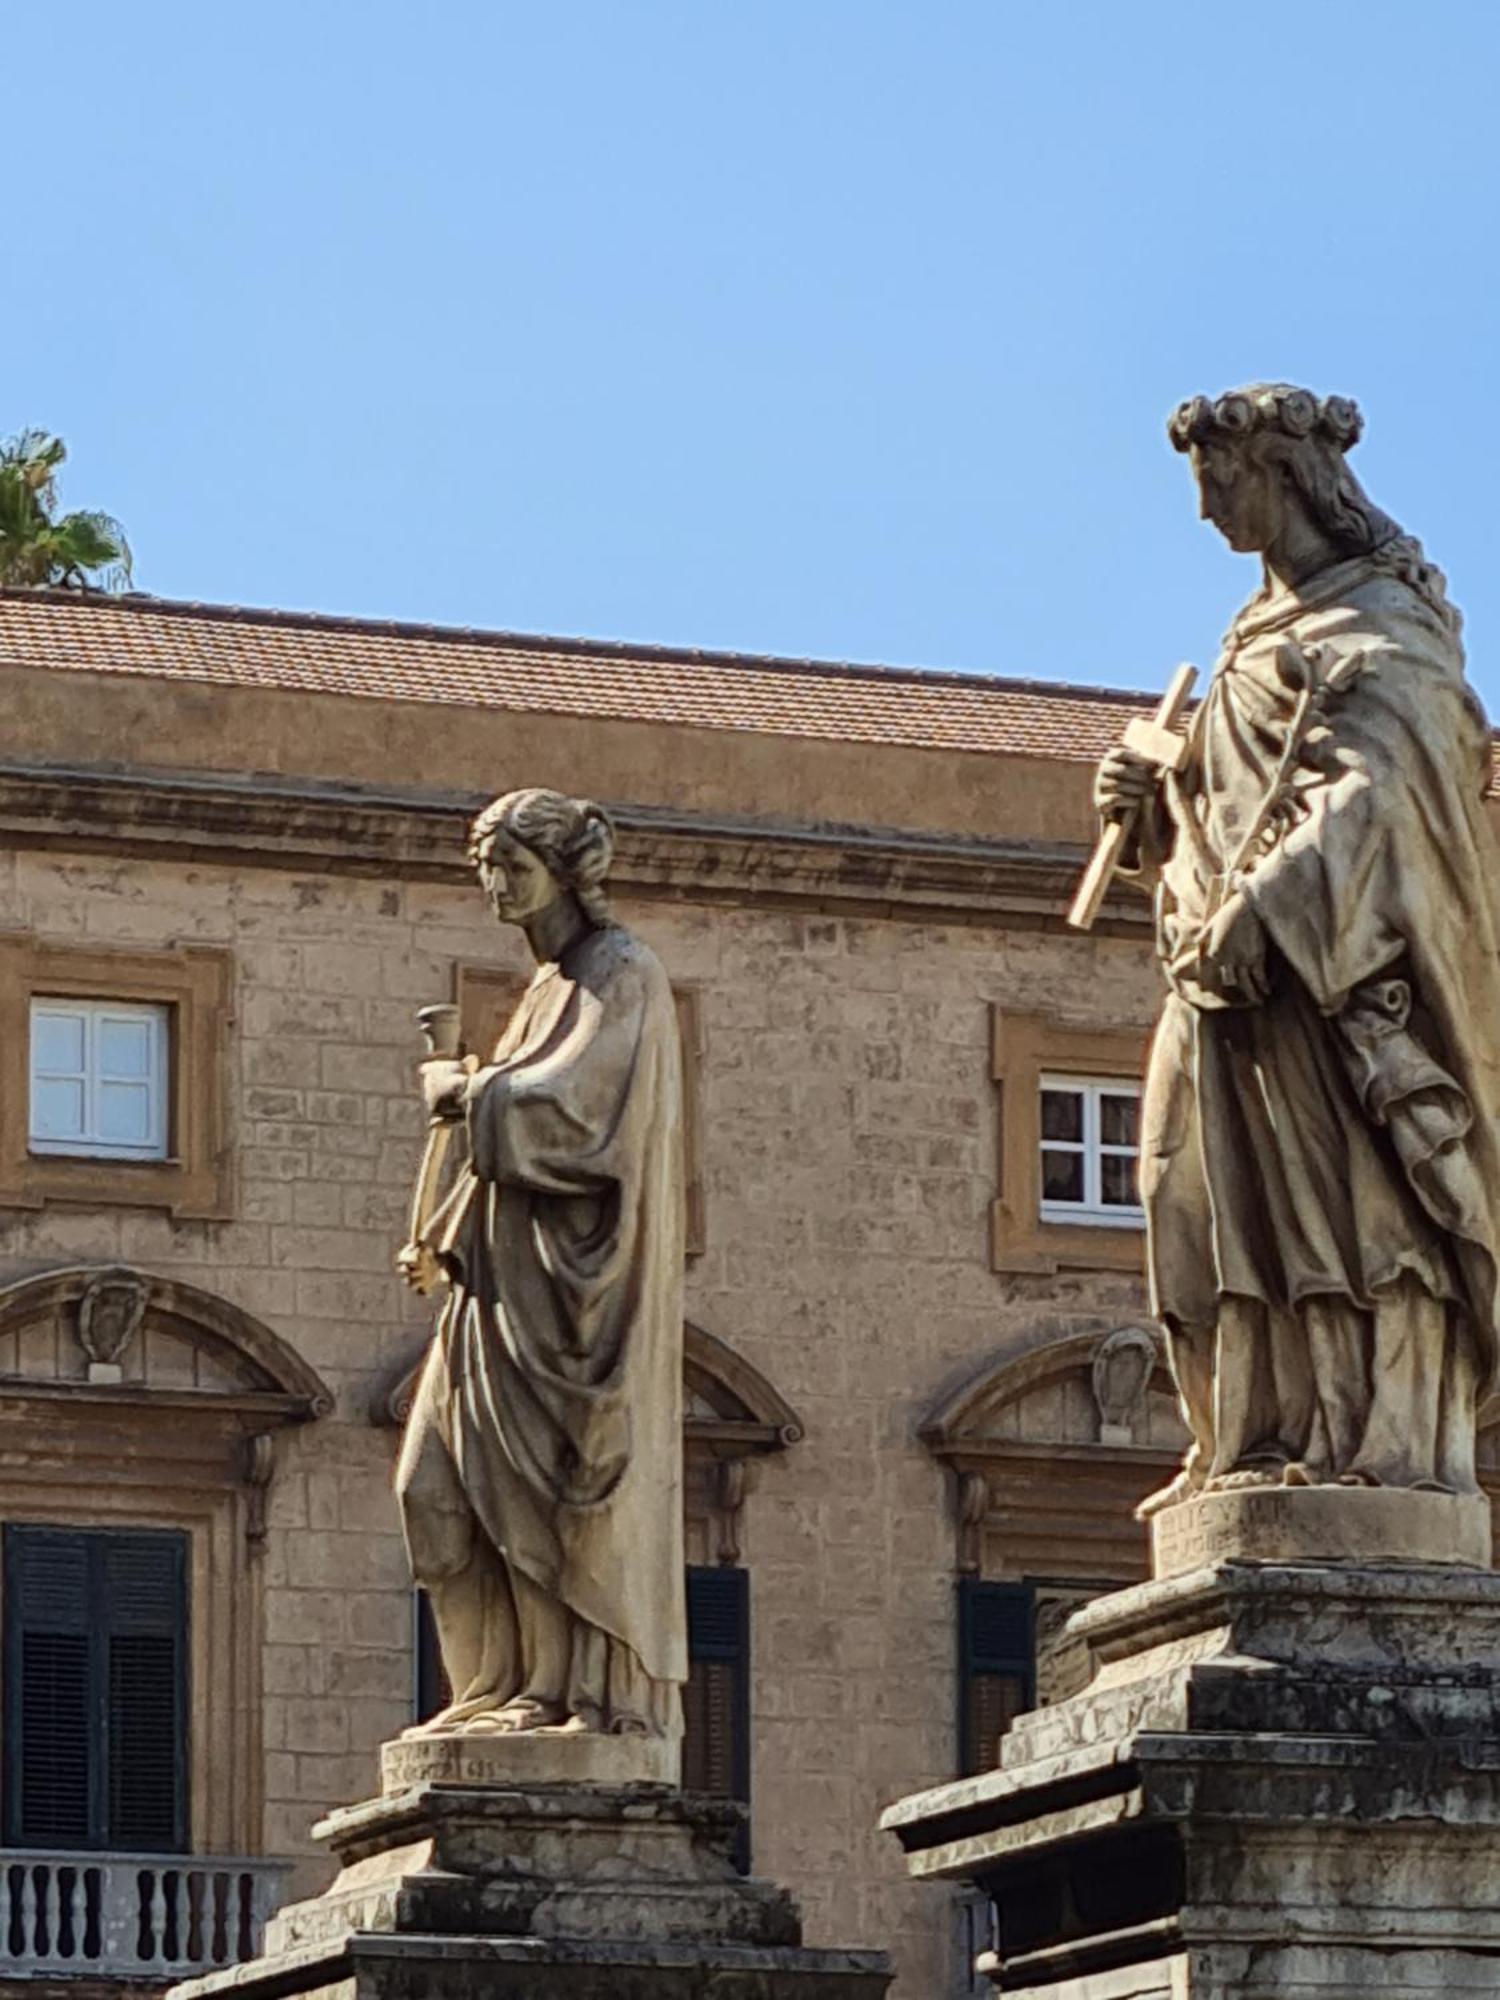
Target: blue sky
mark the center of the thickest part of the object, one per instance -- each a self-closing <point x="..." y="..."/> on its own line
<point x="828" y="327"/>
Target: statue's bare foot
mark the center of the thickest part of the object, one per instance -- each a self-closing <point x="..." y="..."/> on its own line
<point x="524" y="1713"/>
<point x="583" y="1722"/>
<point x="1246" y="1477"/>
<point x="1298" y="1473"/>
<point x="449" y="1721"/>
<point x="629" y="1725"/>
<point x="1183" y="1487"/>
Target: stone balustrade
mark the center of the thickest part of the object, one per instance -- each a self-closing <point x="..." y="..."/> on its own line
<point x="132" y="1915"/>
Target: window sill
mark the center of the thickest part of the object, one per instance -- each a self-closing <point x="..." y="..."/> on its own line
<point x="1020" y="1244"/>
<point x="1056" y="1216"/>
<point x="41" y="1149"/>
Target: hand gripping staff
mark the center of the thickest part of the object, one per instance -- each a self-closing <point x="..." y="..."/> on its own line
<point x="1158" y="740"/>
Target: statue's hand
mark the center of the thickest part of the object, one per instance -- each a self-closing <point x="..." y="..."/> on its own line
<point x="1124" y="781"/>
<point x="444" y="1081"/>
<point x="1232" y="952"/>
<point x="419" y="1266"/>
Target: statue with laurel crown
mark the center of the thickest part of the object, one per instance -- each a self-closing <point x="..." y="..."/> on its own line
<point x="1320" y="1143"/>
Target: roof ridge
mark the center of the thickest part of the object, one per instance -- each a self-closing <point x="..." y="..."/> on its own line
<point x="545" y="642"/>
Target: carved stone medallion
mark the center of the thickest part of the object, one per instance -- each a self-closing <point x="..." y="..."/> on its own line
<point x="1123" y="1362"/>
<point x="109" y="1317"/>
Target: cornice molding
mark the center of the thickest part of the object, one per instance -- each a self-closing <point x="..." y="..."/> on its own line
<point x="662" y="852"/>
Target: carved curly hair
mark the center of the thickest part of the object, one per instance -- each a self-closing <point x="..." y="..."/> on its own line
<point x="575" y="837"/>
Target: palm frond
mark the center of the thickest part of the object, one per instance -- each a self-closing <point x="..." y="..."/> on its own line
<point x="84" y="549"/>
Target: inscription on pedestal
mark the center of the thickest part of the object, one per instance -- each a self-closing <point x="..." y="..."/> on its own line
<point x="531" y="1757"/>
<point x="1321" y="1524"/>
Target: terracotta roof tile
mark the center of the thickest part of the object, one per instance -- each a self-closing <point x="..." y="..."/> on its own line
<point x="232" y="646"/>
<point x="68" y="633"/>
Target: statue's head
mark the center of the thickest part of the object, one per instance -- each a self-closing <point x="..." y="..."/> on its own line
<point x="1259" y="451"/>
<point x="532" y="846"/>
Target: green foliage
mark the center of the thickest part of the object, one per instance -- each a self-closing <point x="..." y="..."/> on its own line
<point x="39" y="547"/>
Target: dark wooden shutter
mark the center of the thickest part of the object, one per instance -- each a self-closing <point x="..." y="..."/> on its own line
<point x="142" y="1580"/>
<point x="996" y="1667"/>
<point x="95" y="1696"/>
<point x="50" y="1720"/>
<point x="716" y="1700"/>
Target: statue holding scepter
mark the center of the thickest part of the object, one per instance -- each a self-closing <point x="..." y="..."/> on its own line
<point x="540" y="1475"/>
<point x="1320" y="1144"/>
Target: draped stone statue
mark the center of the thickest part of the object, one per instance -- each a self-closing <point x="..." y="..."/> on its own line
<point x="540" y="1474"/>
<point x="1319" y="1160"/>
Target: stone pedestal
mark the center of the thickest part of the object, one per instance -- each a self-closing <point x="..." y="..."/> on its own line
<point x="1283" y="1778"/>
<point x="478" y="1874"/>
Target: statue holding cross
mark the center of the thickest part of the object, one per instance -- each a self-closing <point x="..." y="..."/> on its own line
<point x="1320" y="1142"/>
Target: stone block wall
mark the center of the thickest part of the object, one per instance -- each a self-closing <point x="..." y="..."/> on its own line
<point x="849" y="1146"/>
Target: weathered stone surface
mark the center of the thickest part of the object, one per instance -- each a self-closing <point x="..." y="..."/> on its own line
<point x="529" y="1757"/>
<point x="1282" y="1780"/>
<point x="470" y="1968"/>
<point x="544" y="1890"/>
<point x="541" y="1860"/>
<point x="540" y="1477"/>
<point x="1363" y="1524"/>
<point x="1318" y="1136"/>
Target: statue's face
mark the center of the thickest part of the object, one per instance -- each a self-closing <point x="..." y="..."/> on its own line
<point x="517" y="881"/>
<point x="1239" y="494"/>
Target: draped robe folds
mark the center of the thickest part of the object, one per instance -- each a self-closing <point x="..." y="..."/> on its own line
<point x="540" y="1478"/>
<point x="1320" y="1171"/>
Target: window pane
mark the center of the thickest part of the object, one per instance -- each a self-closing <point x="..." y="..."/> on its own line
<point x="1062" y="1176"/>
<point x="56" y="1109"/>
<point x="57" y="1043"/>
<point x="1117" y="1180"/>
<point x="124" y="1047"/>
<point x="124" y="1114"/>
<point x="1062" y="1114"/>
<point x="1119" y="1120"/>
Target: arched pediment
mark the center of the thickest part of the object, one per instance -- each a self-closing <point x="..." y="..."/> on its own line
<point x="727" y="1403"/>
<point x="1053" y="1448"/>
<point x="1101" y="1386"/>
<point x="727" y="1395"/>
<point x="109" y="1332"/>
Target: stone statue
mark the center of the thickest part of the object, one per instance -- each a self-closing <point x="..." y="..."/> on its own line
<point x="540" y="1476"/>
<point x="1319" y="1160"/>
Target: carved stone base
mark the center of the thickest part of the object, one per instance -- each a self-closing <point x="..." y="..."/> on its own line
<point x="1365" y="1524"/>
<point x="529" y="1757"/>
<point x="454" y="1890"/>
<point x="1282" y="1780"/>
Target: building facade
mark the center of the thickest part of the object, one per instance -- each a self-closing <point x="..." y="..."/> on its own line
<point x="922" y="1397"/>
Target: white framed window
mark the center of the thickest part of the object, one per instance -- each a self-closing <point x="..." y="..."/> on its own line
<point x="99" y="1079"/>
<point x="1090" y="1136"/>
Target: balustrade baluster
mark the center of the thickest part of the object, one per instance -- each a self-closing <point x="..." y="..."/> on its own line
<point x="131" y="1915"/>
<point x="28" y="1912"/>
<point x="157" y="1922"/>
<point x="48" y="1937"/>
